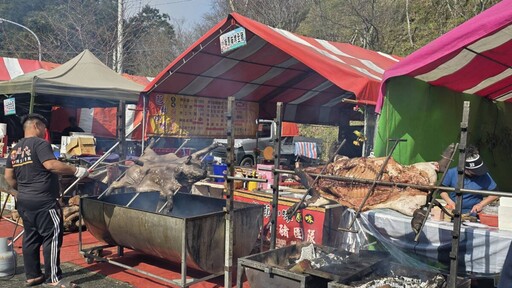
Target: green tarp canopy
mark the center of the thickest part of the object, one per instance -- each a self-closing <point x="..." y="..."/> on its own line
<point x="83" y="81"/>
<point x="422" y="96"/>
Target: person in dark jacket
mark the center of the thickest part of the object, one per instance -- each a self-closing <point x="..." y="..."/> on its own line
<point x="73" y="127"/>
<point x="32" y="169"/>
<point x="477" y="177"/>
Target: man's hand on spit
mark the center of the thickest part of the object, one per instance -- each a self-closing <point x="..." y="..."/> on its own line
<point x="477" y="208"/>
<point x="81" y="172"/>
<point x="450" y="205"/>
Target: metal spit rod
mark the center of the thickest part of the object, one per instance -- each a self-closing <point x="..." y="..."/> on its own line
<point x="398" y="184"/>
<point x="434" y="197"/>
<point x="238" y="178"/>
<point x="138" y="162"/>
<point x="94" y="165"/>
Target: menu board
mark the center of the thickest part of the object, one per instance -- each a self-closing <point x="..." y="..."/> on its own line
<point x="187" y="116"/>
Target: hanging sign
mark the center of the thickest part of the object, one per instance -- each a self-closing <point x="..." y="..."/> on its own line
<point x="232" y="40"/>
<point x="9" y="106"/>
<point x="172" y="115"/>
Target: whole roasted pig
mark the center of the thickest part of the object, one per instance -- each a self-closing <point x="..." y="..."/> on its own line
<point x="164" y="173"/>
<point x="351" y="194"/>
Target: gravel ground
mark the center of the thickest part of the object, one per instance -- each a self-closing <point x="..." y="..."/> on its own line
<point x="81" y="276"/>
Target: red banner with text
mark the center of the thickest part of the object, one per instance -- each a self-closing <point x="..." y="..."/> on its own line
<point x="306" y="226"/>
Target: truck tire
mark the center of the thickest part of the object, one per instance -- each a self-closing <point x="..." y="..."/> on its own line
<point x="247" y="161"/>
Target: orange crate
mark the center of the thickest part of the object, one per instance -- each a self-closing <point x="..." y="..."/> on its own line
<point x="488" y="219"/>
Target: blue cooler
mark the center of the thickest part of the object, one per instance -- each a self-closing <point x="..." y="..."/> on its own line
<point x="219" y="169"/>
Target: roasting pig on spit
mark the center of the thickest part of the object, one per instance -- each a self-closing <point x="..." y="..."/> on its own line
<point x="164" y="173"/>
<point x="351" y="194"/>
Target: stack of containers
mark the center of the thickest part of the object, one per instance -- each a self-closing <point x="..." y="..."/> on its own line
<point x="505" y="214"/>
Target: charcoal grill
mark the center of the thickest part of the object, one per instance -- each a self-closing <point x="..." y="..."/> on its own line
<point x="271" y="268"/>
<point x="402" y="274"/>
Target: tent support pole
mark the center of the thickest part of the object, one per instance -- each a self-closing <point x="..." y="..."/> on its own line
<point x="145" y="98"/>
<point x="228" y="246"/>
<point x="457" y="221"/>
<point x="32" y="98"/>
<point x="121" y="129"/>
<point x="275" y="184"/>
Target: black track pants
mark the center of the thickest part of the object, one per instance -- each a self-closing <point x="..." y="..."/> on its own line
<point x="43" y="227"/>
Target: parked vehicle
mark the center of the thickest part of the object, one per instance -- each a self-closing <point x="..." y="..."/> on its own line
<point x="247" y="150"/>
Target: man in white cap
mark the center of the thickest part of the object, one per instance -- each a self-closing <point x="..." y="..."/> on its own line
<point x="476" y="177"/>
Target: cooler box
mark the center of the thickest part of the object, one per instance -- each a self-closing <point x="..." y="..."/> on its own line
<point x="504" y="216"/>
<point x="221" y="170"/>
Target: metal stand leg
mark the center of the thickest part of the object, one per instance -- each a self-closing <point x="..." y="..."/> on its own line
<point x="457" y="221"/>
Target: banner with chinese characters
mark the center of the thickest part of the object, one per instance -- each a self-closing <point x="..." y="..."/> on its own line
<point x="306" y="226"/>
<point x="9" y="106"/>
<point x="187" y="116"/>
<point x="232" y="40"/>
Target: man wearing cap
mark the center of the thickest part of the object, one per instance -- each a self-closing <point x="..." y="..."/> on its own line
<point x="476" y="177"/>
<point x="32" y="169"/>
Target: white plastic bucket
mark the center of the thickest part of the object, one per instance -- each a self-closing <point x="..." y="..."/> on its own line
<point x="3" y="130"/>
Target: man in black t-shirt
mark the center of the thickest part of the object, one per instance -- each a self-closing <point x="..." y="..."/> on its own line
<point x="32" y="169"/>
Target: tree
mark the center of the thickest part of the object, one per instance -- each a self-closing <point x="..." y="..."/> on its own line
<point x="67" y="27"/>
<point x="283" y="14"/>
<point x="150" y="38"/>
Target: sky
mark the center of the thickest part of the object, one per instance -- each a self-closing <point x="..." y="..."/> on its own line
<point x="191" y="11"/>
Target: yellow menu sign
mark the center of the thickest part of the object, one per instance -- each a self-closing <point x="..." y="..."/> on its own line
<point x="187" y="116"/>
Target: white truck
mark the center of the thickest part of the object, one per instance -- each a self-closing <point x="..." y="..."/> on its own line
<point x="246" y="149"/>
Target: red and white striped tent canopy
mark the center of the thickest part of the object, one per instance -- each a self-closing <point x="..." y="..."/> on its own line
<point x="474" y="58"/>
<point x="310" y="76"/>
<point x="13" y="67"/>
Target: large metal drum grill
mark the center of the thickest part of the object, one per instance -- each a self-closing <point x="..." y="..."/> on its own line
<point x="194" y="227"/>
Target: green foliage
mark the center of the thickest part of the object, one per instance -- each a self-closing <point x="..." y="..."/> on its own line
<point x="394" y="27"/>
<point x="148" y="43"/>
<point x="328" y="134"/>
<point x="67" y="27"/>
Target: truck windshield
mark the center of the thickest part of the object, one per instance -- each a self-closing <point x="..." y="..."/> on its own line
<point x="264" y="130"/>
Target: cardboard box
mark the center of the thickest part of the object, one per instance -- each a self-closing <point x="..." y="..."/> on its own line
<point x="81" y="146"/>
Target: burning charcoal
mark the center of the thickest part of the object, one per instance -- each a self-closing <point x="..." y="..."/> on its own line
<point x="307" y="252"/>
<point x="319" y="262"/>
<point x="403" y="282"/>
<point x="324" y="259"/>
<point x="302" y="266"/>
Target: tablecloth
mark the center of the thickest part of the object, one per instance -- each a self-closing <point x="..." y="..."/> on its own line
<point x="482" y="249"/>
